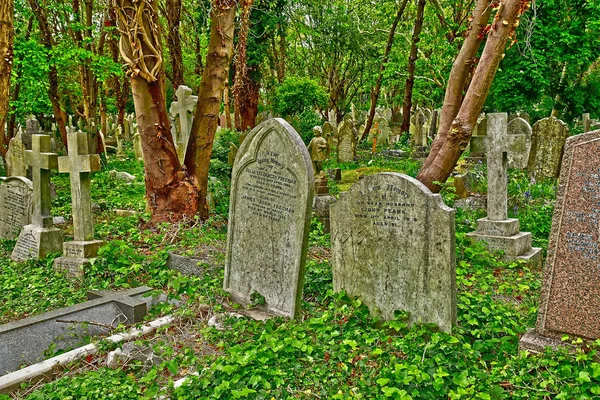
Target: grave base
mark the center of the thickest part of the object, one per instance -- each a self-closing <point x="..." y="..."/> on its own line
<point x="504" y="236"/>
<point x="77" y="255"/>
<point x="37" y="242"/>
<point x="536" y="343"/>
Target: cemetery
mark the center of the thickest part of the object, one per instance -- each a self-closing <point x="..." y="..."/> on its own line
<point x="299" y="200"/>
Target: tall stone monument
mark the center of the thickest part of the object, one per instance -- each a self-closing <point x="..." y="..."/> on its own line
<point x="269" y="218"/>
<point x="40" y="238"/>
<point x="16" y="206"/>
<point x="570" y="297"/>
<point x="79" y="165"/>
<point x="393" y="246"/>
<point x="183" y="111"/>
<point x="547" y="143"/>
<point x="497" y="230"/>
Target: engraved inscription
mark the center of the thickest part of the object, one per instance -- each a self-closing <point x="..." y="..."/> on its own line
<point x="26" y="247"/>
<point x="385" y="206"/>
<point x="15" y="209"/>
<point x="269" y="188"/>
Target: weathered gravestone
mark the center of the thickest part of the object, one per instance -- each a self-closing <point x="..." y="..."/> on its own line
<point x="79" y="165"/>
<point x="477" y="146"/>
<point x="183" y="109"/>
<point x="15" y="157"/>
<point x="346" y="141"/>
<point x="393" y="246"/>
<point x="547" y="143"/>
<point x="16" y="202"/>
<point x="32" y="127"/>
<point x="40" y="238"/>
<point x="137" y="147"/>
<point x="570" y="297"/>
<point x="497" y="230"/>
<point x="518" y="159"/>
<point x="271" y="198"/>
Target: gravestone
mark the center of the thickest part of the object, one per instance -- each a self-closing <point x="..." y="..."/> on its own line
<point x="346" y="142"/>
<point x="570" y="296"/>
<point x="137" y="147"/>
<point x="547" y="143"/>
<point x="477" y="145"/>
<point x="79" y="165"/>
<point x="329" y="133"/>
<point x="15" y="157"/>
<point x="519" y="159"/>
<point x="587" y="122"/>
<point x="183" y="110"/>
<point x="16" y="204"/>
<point x="233" y="149"/>
<point x="32" y="127"/>
<point x="271" y="199"/>
<point x="415" y="274"/>
<point x="383" y="136"/>
<point x="497" y="230"/>
<point x="40" y="238"/>
<point x="118" y="136"/>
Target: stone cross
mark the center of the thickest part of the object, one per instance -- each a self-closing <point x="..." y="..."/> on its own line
<point x="183" y="108"/>
<point x="41" y="162"/>
<point x="498" y="144"/>
<point x="586" y="123"/>
<point x="79" y="164"/>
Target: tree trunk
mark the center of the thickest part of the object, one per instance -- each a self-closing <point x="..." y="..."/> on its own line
<point x="459" y="75"/>
<point x="377" y="89"/>
<point x="216" y="71"/>
<point x="410" y="79"/>
<point x="48" y="42"/>
<point x="7" y="13"/>
<point x="240" y="85"/>
<point x="169" y="192"/>
<point x="228" y="123"/>
<point x="459" y="133"/>
<point x="173" y="16"/>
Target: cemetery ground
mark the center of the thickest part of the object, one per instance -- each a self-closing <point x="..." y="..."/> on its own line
<point x="335" y="350"/>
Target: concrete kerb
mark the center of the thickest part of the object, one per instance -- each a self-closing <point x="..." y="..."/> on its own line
<point x="12" y="381"/>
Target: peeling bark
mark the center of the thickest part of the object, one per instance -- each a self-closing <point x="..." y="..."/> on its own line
<point x="214" y="78"/>
<point x="170" y="193"/>
<point x="458" y="134"/>
<point x="6" y="61"/>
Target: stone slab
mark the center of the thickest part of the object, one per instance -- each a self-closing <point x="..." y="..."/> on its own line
<point x="393" y="246"/>
<point x="570" y="296"/>
<point x="269" y="218"/>
<point x="25" y="341"/>
<point x="16" y="206"/>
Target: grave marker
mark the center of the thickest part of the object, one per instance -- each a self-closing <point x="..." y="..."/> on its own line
<point x="415" y="274"/>
<point x="547" y="143"/>
<point x="520" y="128"/>
<point x="271" y="199"/>
<point x="16" y="203"/>
<point x="346" y="142"/>
<point x="79" y="165"/>
<point x="570" y="297"/>
<point x="183" y="109"/>
<point x="15" y="157"/>
<point x="40" y="238"/>
<point x="499" y="231"/>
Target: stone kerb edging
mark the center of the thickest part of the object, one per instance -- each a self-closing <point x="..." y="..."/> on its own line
<point x="13" y="380"/>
